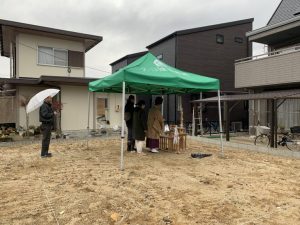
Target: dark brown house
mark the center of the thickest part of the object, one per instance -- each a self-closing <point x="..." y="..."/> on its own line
<point x="210" y="51"/>
<point x="126" y="60"/>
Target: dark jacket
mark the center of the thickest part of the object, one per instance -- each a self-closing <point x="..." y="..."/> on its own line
<point x="46" y="113"/>
<point x="139" y="124"/>
<point x="129" y="108"/>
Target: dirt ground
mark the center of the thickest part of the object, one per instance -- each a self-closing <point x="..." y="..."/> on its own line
<point x="85" y="186"/>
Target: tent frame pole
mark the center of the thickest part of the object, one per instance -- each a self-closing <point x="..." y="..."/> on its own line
<point x="220" y="123"/>
<point x="193" y="121"/>
<point x="88" y="120"/>
<point x="123" y="127"/>
<point x="162" y="106"/>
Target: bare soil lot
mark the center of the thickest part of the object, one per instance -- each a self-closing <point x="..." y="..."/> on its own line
<point x="85" y="186"/>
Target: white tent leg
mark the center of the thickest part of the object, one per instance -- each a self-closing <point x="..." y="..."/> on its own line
<point x="201" y="115"/>
<point x="162" y="106"/>
<point x="123" y="127"/>
<point x="88" y="120"/>
<point x="220" y="122"/>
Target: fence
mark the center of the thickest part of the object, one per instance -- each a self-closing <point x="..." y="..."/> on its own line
<point x="8" y="109"/>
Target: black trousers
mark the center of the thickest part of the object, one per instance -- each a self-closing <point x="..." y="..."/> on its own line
<point x="130" y="140"/>
<point x="46" y="131"/>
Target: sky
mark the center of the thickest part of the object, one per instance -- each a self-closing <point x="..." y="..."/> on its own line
<point x="128" y="26"/>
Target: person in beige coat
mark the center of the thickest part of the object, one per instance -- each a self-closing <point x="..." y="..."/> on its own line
<point x="155" y="125"/>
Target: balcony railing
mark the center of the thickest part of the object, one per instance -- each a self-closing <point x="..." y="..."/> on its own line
<point x="272" y="68"/>
<point x="268" y="54"/>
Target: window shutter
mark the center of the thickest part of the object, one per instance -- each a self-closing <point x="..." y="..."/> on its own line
<point x="76" y="59"/>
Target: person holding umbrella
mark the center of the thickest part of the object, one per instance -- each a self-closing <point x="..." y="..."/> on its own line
<point x="47" y="120"/>
<point x="43" y="100"/>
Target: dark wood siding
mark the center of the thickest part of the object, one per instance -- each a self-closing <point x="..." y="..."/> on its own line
<point x="119" y="65"/>
<point x="167" y="50"/>
<point x="200" y="53"/>
<point x="76" y="59"/>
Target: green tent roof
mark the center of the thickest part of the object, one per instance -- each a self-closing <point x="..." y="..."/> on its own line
<point x="148" y="75"/>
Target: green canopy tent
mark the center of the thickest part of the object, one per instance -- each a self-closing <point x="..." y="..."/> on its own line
<point x="148" y="75"/>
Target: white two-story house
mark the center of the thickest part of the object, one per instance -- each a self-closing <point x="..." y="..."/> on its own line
<point x="43" y="57"/>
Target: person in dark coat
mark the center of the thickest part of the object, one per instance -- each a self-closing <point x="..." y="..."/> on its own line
<point x="129" y="108"/>
<point x="139" y="125"/>
<point x="47" y="120"/>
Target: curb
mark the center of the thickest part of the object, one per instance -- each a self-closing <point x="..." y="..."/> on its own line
<point x="253" y="148"/>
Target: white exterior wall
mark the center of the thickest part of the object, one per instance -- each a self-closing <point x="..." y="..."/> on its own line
<point x="74" y="114"/>
<point x="27" y="56"/>
<point x="114" y="101"/>
<point x="271" y="70"/>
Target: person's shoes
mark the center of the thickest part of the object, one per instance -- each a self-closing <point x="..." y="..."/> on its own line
<point x="154" y="150"/>
<point x="47" y="155"/>
<point x="130" y="151"/>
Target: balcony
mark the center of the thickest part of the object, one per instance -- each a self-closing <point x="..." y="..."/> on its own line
<point x="273" y="68"/>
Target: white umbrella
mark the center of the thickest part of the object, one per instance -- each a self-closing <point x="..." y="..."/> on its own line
<point x="37" y="100"/>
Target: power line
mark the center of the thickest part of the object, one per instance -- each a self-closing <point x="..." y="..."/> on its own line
<point x="93" y="68"/>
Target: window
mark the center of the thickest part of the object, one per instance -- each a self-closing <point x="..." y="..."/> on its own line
<point x="45" y="56"/>
<point x="239" y="40"/>
<point x="52" y="56"/>
<point x="220" y="39"/>
<point x="102" y="105"/>
<point x="60" y="57"/>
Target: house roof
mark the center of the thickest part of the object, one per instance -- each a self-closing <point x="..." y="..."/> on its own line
<point x="277" y="32"/>
<point x="9" y="28"/>
<point x="283" y="25"/>
<point x="78" y="81"/>
<point x="134" y="55"/>
<point x="287" y="9"/>
<point x="200" y="29"/>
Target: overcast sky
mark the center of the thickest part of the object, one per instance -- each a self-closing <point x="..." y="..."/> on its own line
<point x="129" y="26"/>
